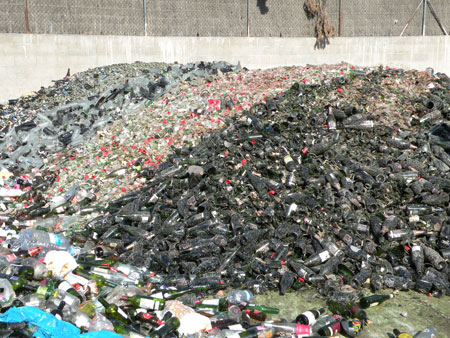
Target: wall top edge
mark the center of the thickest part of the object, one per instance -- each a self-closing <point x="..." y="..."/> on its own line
<point x="22" y="35"/>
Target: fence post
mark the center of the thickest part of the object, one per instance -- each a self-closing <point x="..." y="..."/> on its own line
<point x="27" y="27"/>
<point x="433" y="12"/>
<point x="248" y="18"/>
<point x="424" y="16"/>
<point x="144" y="3"/>
<point x="340" y="18"/>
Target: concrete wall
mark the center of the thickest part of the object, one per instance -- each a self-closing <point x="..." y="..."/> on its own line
<point x="28" y="62"/>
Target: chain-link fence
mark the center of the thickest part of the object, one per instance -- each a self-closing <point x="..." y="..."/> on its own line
<point x="102" y="17"/>
<point x="389" y="18"/>
<point x="285" y="19"/>
<point x="197" y="17"/>
<point x="260" y="18"/>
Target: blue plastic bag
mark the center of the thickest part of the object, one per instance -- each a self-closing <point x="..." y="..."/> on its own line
<point x="100" y="334"/>
<point x="49" y="326"/>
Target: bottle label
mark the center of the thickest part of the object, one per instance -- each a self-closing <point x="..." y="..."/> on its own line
<point x="302" y="273"/>
<point x="99" y="270"/>
<point x="123" y="268"/>
<point x="415" y="248"/>
<point x="158" y="295"/>
<point x="75" y="279"/>
<point x="79" y="288"/>
<point x="301" y="329"/>
<point x="145" y="315"/>
<point x="55" y="239"/>
<point x="354" y="249"/>
<point x="234" y="335"/>
<point x="395" y="234"/>
<point x="80" y="320"/>
<point x="333" y="249"/>
<point x="266" y="333"/>
<point x="133" y="334"/>
<point x="287" y="159"/>
<point x="64" y="285"/>
<point x="149" y="304"/>
<point x="59" y="210"/>
<point x="93" y="287"/>
<point x="336" y="328"/>
<point x="121" y="312"/>
<point x="42" y="290"/>
<point x="403" y="335"/>
<point x="324" y="255"/>
<point x="310" y="317"/>
<point x="414" y="218"/>
<point x="374" y="304"/>
<point x="361" y="228"/>
<point x="34" y="251"/>
<point x="11" y="257"/>
<point x="121" y="172"/>
<point x="210" y="302"/>
<point x="236" y="327"/>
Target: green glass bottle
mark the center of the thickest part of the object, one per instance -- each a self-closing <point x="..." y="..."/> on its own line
<point x="255" y="332"/>
<point x="358" y="313"/>
<point x="124" y="329"/>
<point x="130" y="270"/>
<point x="146" y="302"/>
<point x="256" y="315"/>
<point x="373" y="300"/>
<point x="339" y="308"/>
<point x="46" y="291"/>
<point x="173" y="293"/>
<point x="144" y="317"/>
<point x="20" y="283"/>
<point x="348" y="310"/>
<point x="88" y="263"/>
<point x="330" y="330"/>
<point x="100" y="281"/>
<point x="25" y="253"/>
<point x="26" y="272"/>
<point x="213" y="306"/>
<point x="170" y="325"/>
<point x="88" y="307"/>
<point x="261" y="308"/>
<point x="345" y="272"/>
<point x="420" y="210"/>
<point x="66" y="286"/>
<point x="85" y="257"/>
<point x="113" y="311"/>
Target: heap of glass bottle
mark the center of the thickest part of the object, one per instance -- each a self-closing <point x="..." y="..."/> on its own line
<point x="269" y="201"/>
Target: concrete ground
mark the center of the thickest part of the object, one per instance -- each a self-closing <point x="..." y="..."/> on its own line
<point x="420" y="310"/>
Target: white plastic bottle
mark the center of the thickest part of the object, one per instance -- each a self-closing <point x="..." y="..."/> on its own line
<point x="239" y="296"/>
<point x="32" y="238"/>
<point x="7" y="294"/>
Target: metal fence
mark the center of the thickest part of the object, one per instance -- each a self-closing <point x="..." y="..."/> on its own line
<point x="261" y="18"/>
